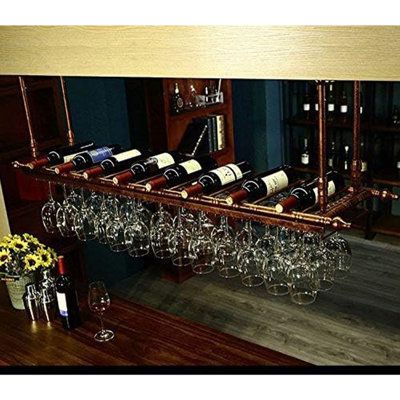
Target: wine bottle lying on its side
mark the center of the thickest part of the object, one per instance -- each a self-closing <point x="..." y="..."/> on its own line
<point x="88" y="158"/>
<point x="60" y="155"/>
<point x="182" y="172"/>
<point x="217" y="178"/>
<point x="263" y="185"/>
<point x="306" y="195"/>
<point x="116" y="163"/>
<point x="149" y="166"/>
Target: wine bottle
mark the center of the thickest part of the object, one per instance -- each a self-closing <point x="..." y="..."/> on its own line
<point x="306" y="103"/>
<point x="331" y="103"/>
<point x="333" y="156"/>
<point x="182" y="172"/>
<point x="217" y="178"/>
<point x="88" y="158"/>
<point x="176" y="100"/>
<point x="67" y="299"/>
<point x="364" y="162"/>
<point x="61" y="155"/>
<point x="343" y="104"/>
<point x="306" y="195"/>
<point x="305" y="153"/>
<point x="116" y="163"/>
<point x="149" y="166"/>
<point x="266" y="184"/>
<point x="346" y="159"/>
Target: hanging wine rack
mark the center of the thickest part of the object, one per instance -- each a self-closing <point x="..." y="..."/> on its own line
<point x="325" y="215"/>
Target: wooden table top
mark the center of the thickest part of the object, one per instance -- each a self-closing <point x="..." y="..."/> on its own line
<point x="143" y="337"/>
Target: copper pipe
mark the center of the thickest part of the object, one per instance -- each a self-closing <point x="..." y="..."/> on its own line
<point x="349" y="201"/>
<point x="356" y="163"/>
<point x="32" y="140"/>
<point x="322" y="180"/>
<point x="70" y="133"/>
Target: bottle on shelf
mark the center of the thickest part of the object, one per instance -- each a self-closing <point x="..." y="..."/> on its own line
<point x="346" y="159"/>
<point x="306" y="108"/>
<point x="333" y="156"/>
<point x="182" y="172"/>
<point x="398" y="164"/>
<point x="116" y="163"/>
<point x="305" y="153"/>
<point x="176" y="100"/>
<point x="306" y="195"/>
<point x="217" y="178"/>
<point x="206" y="94"/>
<point x="330" y="103"/>
<point x="192" y="99"/>
<point x="361" y="101"/>
<point x="263" y="185"/>
<point x="149" y="166"/>
<point x="344" y="107"/>
<point x="88" y="158"/>
<point x="316" y="105"/>
<point x="364" y="160"/>
<point x="61" y="155"/>
<point x="67" y="299"/>
<point x="395" y="116"/>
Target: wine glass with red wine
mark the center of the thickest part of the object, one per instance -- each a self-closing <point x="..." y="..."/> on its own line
<point x="99" y="302"/>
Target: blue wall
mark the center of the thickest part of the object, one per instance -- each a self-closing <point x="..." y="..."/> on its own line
<point x="99" y="111"/>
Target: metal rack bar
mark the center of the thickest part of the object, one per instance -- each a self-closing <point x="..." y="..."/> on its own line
<point x="70" y="133"/>
<point x="322" y="181"/>
<point x="356" y="163"/>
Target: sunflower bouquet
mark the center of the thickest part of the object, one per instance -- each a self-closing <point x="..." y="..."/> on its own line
<point x="22" y="255"/>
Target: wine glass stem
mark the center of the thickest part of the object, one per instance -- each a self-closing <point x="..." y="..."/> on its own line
<point x="101" y="322"/>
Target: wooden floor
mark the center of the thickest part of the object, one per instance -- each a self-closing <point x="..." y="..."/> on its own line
<point x="143" y="337"/>
<point x="357" y="323"/>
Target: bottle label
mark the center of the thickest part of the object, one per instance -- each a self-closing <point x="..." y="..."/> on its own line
<point x="127" y="154"/>
<point x="331" y="190"/>
<point x="275" y="182"/>
<point x="164" y="160"/>
<point x="62" y="304"/>
<point x="100" y="154"/>
<point x="191" y="166"/>
<point x="364" y="166"/>
<point x="361" y="109"/>
<point x="398" y="164"/>
<point x="305" y="159"/>
<point x="228" y="173"/>
<point x="330" y="162"/>
<point x="316" y="107"/>
<point x="343" y="108"/>
<point x="331" y="107"/>
<point x="71" y="156"/>
<point x="346" y="165"/>
<point x="306" y="107"/>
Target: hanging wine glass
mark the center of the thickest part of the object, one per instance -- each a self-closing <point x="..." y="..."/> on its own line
<point x="247" y="235"/>
<point x="161" y="225"/>
<point x="65" y="216"/>
<point x="201" y="248"/>
<point x="49" y="212"/>
<point x="324" y="264"/>
<point x="179" y="242"/>
<point x="340" y="253"/>
<point x="222" y="230"/>
<point x="137" y="237"/>
<point x="115" y="230"/>
<point x="85" y="222"/>
<point x="144" y="212"/>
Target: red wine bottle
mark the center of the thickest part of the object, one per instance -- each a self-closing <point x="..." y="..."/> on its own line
<point x="67" y="299"/>
<point x="61" y="155"/>
<point x="265" y="184"/>
<point x="218" y="178"/>
<point x="149" y="166"/>
<point x="306" y="195"/>
<point x="88" y="158"/>
<point x="181" y="172"/>
<point x="116" y="163"/>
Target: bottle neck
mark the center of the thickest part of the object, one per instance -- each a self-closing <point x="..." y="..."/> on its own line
<point x="62" y="269"/>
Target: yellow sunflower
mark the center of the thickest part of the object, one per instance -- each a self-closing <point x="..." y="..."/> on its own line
<point x="45" y="257"/>
<point x="18" y="244"/>
<point x="6" y="239"/>
<point x="31" y="262"/>
<point x="5" y="257"/>
<point x="30" y="238"/>
<point x="52" y="253"/>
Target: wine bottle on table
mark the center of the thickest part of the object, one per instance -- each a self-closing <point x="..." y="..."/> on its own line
<point x="116" y="163"/>
<point x="88" y="158"/>
<point x="61" y="155"/>
<point x="149" y="166"/>
<point x="306" y="195"/>
<point x="67" y="298"/>
<point x="182" y="172"/>
<point x="266" y="184"/>
<point x="305" y="153"/>
<point x="217" y="178"/>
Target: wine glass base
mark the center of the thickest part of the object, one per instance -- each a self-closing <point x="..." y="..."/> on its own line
<point x="182" y="261"/>
<point x="303" y="298"/>
<point x="203" y="269"/>
<point x="325" y="285"/>
<point x="162" y="254"/>
<point x="118" y="248"/>
<point x="278" y="289"/>
<point x="138" y="253"/>
<point x="104" y="336"/>
<point x="228" y="272"/>
<point x="252" y="280"/>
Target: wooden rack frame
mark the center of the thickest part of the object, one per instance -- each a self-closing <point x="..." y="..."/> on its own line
<point x="327" y="215"/>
